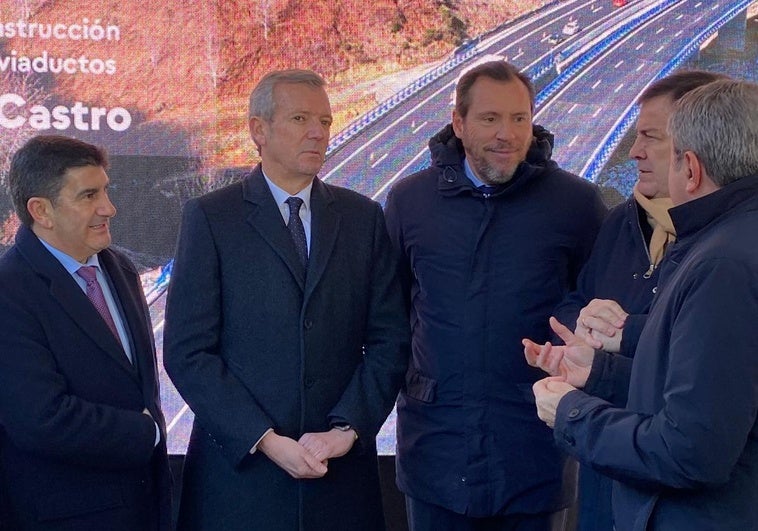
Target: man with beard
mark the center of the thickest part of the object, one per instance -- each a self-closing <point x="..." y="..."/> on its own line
<point x="492" y="236"/>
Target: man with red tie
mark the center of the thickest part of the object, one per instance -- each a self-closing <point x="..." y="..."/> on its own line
<point x="83" y="440"/>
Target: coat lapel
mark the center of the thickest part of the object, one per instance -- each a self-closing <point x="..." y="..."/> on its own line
<point x="325" y="224"/>
<point x="126" y="282"/>
<point x="71" y="298"/>
<point x="266" y="219"/>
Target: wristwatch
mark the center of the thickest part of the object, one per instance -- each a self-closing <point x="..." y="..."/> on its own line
<point x="344" y="426"/>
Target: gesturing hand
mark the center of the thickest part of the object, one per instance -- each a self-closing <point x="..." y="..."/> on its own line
<point x="601" y="324"/>
<point x="572" y="361"/>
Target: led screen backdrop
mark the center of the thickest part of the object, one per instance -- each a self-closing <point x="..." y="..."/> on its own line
<point x="164" y="86"/>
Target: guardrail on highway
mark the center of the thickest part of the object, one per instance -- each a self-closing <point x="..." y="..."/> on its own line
<point x="600" y="157"/>
<point x="361" y="123"/>
<point x="602" y="45"/>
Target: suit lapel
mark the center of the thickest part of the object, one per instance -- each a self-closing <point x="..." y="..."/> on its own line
<point x="71" y="298"/>
<point x="126" y="282"/>
<point x="266" y="219"/>
<point x="325" y="224"/>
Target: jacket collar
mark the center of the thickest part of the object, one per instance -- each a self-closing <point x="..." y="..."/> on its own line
<point x="692" y="216"/>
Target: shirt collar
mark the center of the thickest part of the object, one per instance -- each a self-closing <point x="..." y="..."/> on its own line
<point x="280" y="196"/>
<point x="471" y="175"/>
<point x="71" y="264"/>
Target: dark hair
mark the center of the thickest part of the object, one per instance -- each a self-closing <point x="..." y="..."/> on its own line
<point x="497" y="70"/>
<point x="678" y="84"/>
<point x="39" y="166"/>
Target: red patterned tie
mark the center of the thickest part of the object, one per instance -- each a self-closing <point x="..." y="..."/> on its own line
<point x="95" y="294"/>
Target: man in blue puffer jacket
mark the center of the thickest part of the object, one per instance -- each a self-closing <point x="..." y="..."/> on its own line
<point x="492" y="236"/>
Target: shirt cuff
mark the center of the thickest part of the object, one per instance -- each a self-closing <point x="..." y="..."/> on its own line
<point x="255" y="446"/>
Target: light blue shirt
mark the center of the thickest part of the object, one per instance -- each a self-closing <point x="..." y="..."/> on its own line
<point x="471" y="175"/>
<point x="281" y="196"/>
<point x="71" y="265"/>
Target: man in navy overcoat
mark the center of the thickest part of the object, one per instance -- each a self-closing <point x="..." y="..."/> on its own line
<point x="83" y="446"/>
<point x="286" y="333"/>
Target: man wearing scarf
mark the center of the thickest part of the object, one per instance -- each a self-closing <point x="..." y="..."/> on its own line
<point x="617" y="284"/>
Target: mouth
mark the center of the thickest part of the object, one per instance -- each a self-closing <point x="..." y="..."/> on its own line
<point x="502" y="150"/>
<point x="100" y="226"/>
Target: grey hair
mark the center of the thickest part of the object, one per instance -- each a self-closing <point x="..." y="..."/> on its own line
<point x="262" y="96"/>
<point x="719" y="123"/>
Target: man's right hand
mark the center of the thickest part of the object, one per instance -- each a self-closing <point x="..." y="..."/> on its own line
<point x="601" y="324"/>
<point x="572" y="361"/>
<point x="290" y="456"/>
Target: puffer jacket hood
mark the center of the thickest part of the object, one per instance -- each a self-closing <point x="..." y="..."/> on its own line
<point x="448" y="154"/>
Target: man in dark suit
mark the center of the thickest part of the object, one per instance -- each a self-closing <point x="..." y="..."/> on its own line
<point x="285" y="333"/>
<point x="83" y="446"/>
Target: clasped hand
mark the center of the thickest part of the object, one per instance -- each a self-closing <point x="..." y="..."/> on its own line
<point x="601" y="324"/>
<point x="309" y="456"/>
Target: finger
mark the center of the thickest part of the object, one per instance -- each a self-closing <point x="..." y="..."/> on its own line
<point x="531" y="351"/>
<point x="316" y="447"/>
<point x="600" y="324"/>
<point x="316" y="465"/>
<point x="542" y="357"/>
<point x="562" y="331"/>
<point x="558" y="386"/>
<point x="592" y="340"/>
<point x="607" y="311"/>
<point x="550" y="359"/>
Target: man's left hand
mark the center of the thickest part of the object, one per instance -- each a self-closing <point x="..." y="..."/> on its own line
<point x="548" y="393"/>
<point x="328" y="444"/>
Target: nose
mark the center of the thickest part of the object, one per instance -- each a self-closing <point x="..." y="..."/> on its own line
<point x="637" y="151"/>
<point x="318" y="130"/>
<point x="505" y="131"/>
<point x="106" y="208"/>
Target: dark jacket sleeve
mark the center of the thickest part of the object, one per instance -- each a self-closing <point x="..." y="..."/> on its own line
<point x="192" y="338"/>
<point x="392" y="212"/>
<point x="709" y="397"/>
<point x="372" y="391"/>
<point x="609" y="378"/>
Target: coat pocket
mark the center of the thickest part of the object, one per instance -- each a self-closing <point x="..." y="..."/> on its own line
<point x="419" y="386"/>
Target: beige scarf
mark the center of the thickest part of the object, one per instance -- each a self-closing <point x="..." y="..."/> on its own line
<point x="657" y="211"/>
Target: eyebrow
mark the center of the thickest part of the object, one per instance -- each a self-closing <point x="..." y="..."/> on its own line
<point x="87" y="191"/>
